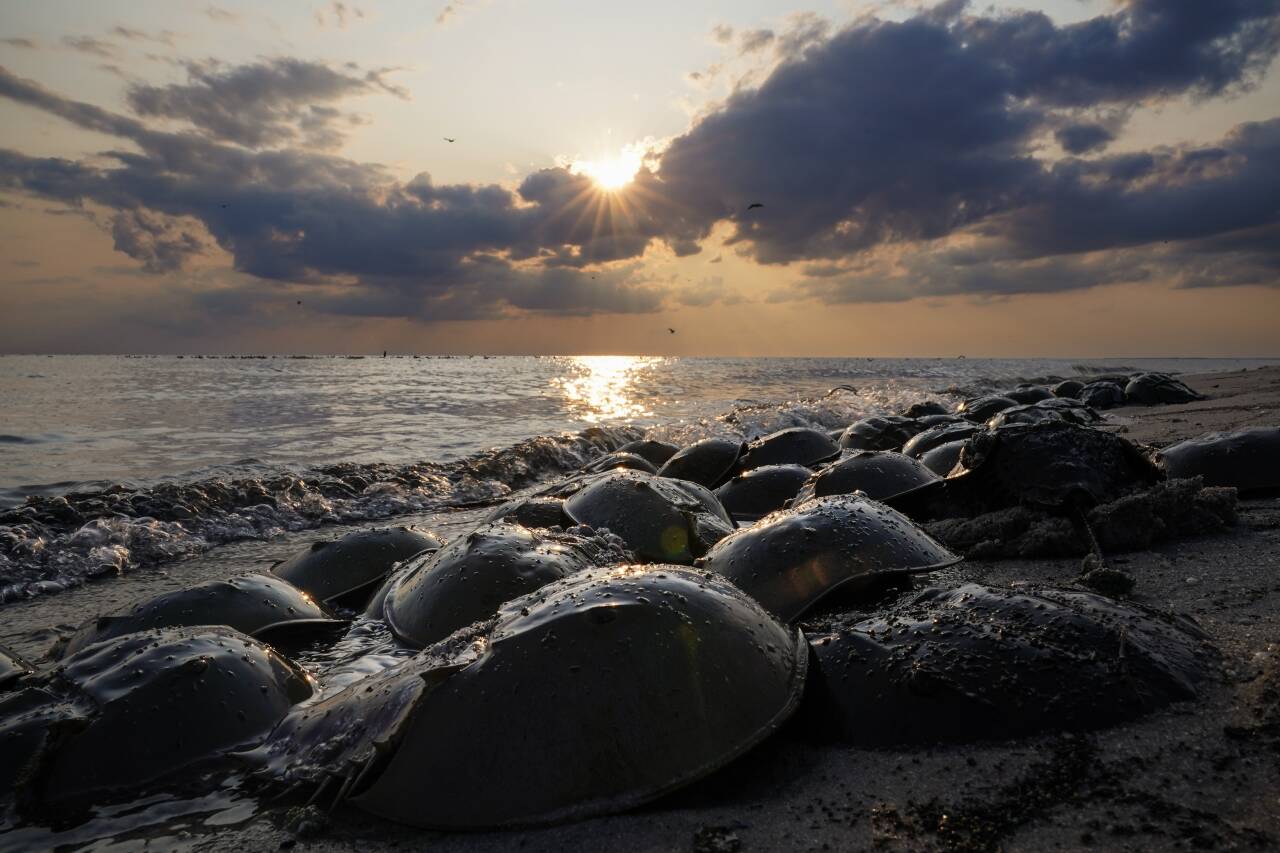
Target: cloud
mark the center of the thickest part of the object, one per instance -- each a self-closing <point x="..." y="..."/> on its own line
<point x="90" y="45"/>
<point x="161" y="243"/>
<point x="338" y="15"/>
<point x="903" y="132"/>
<point x="453" y="9"/>
<point x="164" y="37"/>
<point x="25" y="43"/>
<point x="294" y="216"/>
<point x="222" y="16"/>
<point x="272" y="102"/>
<point x="1083" y="137"/>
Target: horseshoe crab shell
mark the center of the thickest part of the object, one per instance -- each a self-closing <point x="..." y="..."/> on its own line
<point x="794" y="446"/>
<point x="657" y="452"/>
<point x="1248" y="459"/>
<point x="252" y="604"/>
<point x="663" y="520"/>
<point x="1025" y="394"/>
<point x="980" y="409"/>
<point x="880" y="432"/>
<point x="1049" y="465"/>
<point x="619" y="460"/>
<point x="1102" y="394"/>
<point x="1152" y="389"/>
<point x="754" y="494"/>
<point x="471" y="577"/>
<point x="790" y="560"/>
<point x="942" y="459"/>
<point x="129" y="712"/>
<point x="709" y="462"/>
<point x="925" y="408"/>
<point x="877" y="473"/>
<point x="348" y="569"/>
<point x="938" y="436"/>
<point x="595" y="694"/>
<point x="1068" y="389"/>
<point x="979" y="663"/>
<point x="12" y="669"/>
<point x="535" y="511"/>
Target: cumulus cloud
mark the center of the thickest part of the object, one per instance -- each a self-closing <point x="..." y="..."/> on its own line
<point x="272" y="102"/>
<point x="161" y="243"/>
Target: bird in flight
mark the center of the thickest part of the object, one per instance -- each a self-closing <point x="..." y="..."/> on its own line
<point x="447" y="139"/>
<point x="754" y="205"/>
<point x="671" y="330"/>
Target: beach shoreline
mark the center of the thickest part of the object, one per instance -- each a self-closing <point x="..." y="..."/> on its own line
<point x="1203" y="775"/>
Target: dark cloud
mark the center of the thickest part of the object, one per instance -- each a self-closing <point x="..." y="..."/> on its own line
<point x="161" y="243"/>
<point x="417" y="248"/>
<point x="27" y="44"/>
<point x="1083" y="137"/>
<point x="278" y="101"/>
<point x="890" y="133"/>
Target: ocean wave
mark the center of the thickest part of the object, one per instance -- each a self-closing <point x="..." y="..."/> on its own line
<point x="51" y="543"/>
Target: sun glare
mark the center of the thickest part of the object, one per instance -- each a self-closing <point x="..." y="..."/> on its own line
<point x="612" y="173"/>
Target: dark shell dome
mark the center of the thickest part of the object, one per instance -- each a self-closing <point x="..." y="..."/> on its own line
<point x="794" y="446"/>
<point x="790" y="560"/>
<point x="347" y="570"/>
<point x="252" y="604"/>
<point x="595" y="694"/>
<point x="754" y="494"/>
<point x="709" y="462"/>
<point x="978" y="663"/>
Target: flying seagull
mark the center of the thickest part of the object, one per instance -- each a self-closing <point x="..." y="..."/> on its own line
<point x="754" y="205"/>
<point x="671" y="330"/>
<point x="447" y="139"/>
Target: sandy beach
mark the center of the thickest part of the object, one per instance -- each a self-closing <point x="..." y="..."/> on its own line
<point x="1202" y="775"/>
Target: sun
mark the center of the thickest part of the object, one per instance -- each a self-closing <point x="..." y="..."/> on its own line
<point x="612" y="173"/>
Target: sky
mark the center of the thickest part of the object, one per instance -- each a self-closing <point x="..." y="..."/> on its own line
<point x="842" y="178"/>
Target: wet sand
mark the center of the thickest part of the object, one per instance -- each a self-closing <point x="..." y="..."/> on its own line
<point x="1202" y="775"/>
<point x="1196" y="776"/>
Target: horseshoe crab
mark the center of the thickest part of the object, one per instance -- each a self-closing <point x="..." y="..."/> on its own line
<point x="978" y="663"/>
<point x="13" y="668"/>
<point x="938" y="436"/>
<point x="880" y="432"/>
<point x="709" y="462"/>
<point x="1152" y="389"/>
<point x="794" y="446"/>
<point x="1050" y="465"/>
<point x="1033" y="413"/>
<point x="942" y="459"/>
<point x="471" y="577"/>
<point x="595" y="694"/>
<point x="1068" y="389"/>
<point x="257" y="605"/>
<point x="657" y="452"/>
<point x="535" y="511"/>
<point x="130" y="712"/>
<point x="1102" y="394"/>
<point x="619" y="460"/>
<point x="790" y="560"/>
<point x="1248" y="459"/>
<point x="979" y="409"/>
<point x="925" y="408"/>
<point x="663" y="520"/>
<point x="760" y="491"/>
<point x="1025" y="394"/>
<point x="878" y="474"/>
<point x="345" y="571"/>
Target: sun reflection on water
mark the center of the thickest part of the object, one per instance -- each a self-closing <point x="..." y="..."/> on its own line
<point x="601" y="388"/>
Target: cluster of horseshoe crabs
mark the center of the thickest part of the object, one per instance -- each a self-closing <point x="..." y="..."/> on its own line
<point x="607" y="638"/>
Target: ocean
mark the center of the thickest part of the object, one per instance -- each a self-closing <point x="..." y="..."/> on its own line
<point x="166" y="457"/>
